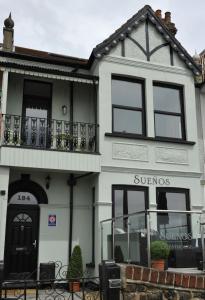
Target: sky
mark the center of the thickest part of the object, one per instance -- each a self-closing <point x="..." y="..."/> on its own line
<point x="75" y="27"/>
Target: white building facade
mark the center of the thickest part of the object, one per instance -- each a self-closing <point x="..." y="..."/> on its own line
<point x="87" y="140"/>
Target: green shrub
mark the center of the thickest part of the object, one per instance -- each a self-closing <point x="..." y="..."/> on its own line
<point x="75" y="268"/>
<point x="159" y="250"/>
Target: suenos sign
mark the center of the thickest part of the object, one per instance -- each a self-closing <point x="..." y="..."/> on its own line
<point x="144" y="180"/>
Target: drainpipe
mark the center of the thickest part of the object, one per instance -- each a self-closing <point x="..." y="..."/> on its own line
<point x="71" y="183"/>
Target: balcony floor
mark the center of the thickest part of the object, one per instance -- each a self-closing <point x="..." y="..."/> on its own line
<point x="49" y="159"/>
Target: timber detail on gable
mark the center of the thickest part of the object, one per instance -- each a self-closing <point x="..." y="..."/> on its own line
<point x="146" y="15"/>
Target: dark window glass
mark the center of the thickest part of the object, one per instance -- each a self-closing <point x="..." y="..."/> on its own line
<point x="167" y="99"/>
<point x="136" y="201"/>
<point x="169" y="114"/>
<point x="118" y="195"/>
<point x="127" y="121"/>
<point x="128" y="200"/>
<point x="128" y="106"/>
<point x="126" y="93"/>
<point x="168" y="126"/>
<point x="36" y="88"/>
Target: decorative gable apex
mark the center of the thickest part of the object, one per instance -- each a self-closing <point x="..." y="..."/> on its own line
<point x="146" y="14"/>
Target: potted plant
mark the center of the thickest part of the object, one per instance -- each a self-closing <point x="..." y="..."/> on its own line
<point x="159" y="252"/>
<point x="75" y="269"/>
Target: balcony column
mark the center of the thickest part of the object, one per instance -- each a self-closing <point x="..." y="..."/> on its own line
<point x="4" y="183"/>
<point x="95" y="100"/>
<point x="4" y="91"/>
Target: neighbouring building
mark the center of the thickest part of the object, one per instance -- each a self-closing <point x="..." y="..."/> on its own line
<point x="87" y="140"/>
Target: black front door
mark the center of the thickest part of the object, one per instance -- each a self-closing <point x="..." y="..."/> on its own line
<point x="21" y="248"/>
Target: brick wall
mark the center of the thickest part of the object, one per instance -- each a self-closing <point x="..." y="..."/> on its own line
<point x="165" y="278"/>
<point x="145" y="283"/>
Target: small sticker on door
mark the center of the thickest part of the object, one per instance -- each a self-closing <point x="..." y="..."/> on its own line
<point x="51" y="220"/>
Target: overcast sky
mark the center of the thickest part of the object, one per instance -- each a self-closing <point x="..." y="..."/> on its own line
<point x="74" y="27"/>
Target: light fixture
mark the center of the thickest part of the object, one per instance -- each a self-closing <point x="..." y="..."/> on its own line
<point x="48" y="179"/>
<point x="2" y="192"/>
<point x="64" y="110"/>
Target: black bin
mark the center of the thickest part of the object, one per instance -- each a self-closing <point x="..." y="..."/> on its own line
<point x="110" y="282"/>
<point x="47" y="271"/>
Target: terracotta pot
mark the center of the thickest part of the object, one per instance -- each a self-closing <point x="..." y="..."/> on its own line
<point x="74" y="286"/>
<point x="158" y="264"/>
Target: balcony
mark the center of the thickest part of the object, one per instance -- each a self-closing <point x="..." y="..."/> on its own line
<point x="64" y="145"/>
<point x="40" y="133"/>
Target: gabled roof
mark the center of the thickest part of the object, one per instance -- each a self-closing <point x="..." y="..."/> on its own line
<point x="145" y="13"/>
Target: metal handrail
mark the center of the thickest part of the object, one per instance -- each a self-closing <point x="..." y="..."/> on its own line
<point x="153" y="211"/>
<point x="50" y="119"/>
<point x="48" y="133"/>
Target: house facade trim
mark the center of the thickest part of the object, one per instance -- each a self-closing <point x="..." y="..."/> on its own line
<point x="43" y="72"/>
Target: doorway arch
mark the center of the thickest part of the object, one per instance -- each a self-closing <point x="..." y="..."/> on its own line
<point x="22" y="229"/>
<point x="27" y="185"/>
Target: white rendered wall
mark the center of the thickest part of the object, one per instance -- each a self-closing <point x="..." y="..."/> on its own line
<point x="53" y="241"/>
<point x="145" y="154"/>
<point x="4" y="182"/>
<point x="83" y="102"/>
<point x="123" y="158"/>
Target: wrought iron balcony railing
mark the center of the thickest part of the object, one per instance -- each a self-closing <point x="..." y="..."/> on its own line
<point x="44" y="133"/>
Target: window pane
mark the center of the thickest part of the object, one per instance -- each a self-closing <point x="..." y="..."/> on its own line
<point x="118" y="196"/>
<point x="172" y="225"/>
<point x="120" y="227"/>
<point x="168" y="126"/>
<point x="126" y="93"/>
<point x="36" y="113"/>
<point x="136" y="201"/>
<point x="127" y="121"/>
<point x="176" y="201"/>
<point x="167" y="99"/>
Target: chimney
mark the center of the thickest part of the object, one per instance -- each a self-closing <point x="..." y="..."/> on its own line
<point x="167" y="18"/>
<point x="167" y="21"/>
<point x="8" y="34"/>
<point x="158" y="13"/>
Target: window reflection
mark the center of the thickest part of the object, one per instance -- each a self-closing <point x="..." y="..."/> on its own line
<point x="168" y="109"/>
<point x="172" y="225"/>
